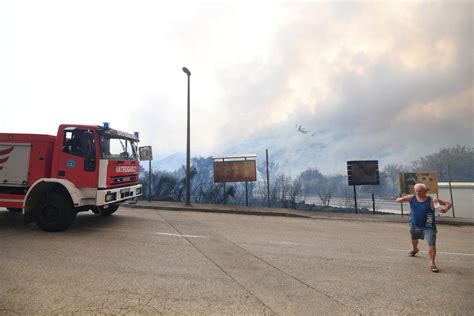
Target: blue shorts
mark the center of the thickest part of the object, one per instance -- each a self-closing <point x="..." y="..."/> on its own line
<point x="427" y="233"/>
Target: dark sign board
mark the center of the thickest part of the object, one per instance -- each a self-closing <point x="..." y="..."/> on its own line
<point x="235" y="171"/>
<point x="363" y="172"/>
<point x="145" y="153"/>
<point x="407" y="181"/>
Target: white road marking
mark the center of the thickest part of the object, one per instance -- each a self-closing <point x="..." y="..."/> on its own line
<point x="439" y="252"/>
<point x="288" y="243"/>
<point x="179" y="235"/>
<point x="107" y="229"/>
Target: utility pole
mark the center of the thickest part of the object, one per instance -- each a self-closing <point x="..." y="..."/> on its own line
<point x="188" y="143"/>
<point x="149" y="180"/>
<point x="268" y="180"/>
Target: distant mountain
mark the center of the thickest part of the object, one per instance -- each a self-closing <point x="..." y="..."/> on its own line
<point x="294" y="149"/>
<point x="171" y="162"/>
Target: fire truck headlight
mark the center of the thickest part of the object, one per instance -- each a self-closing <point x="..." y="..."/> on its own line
<point x="110" y="197"/>
<point x="139" y="191"/>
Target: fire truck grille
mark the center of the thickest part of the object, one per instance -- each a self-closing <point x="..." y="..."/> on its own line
<point x="120" y="180"/>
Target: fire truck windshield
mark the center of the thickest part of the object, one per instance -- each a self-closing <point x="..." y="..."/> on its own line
<point x="116" y="148"/>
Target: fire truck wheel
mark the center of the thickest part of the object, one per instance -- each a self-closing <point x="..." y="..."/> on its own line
<point x="55" y="214"/>
<point x="106" y="211"/>
<point x="14" y="210"/>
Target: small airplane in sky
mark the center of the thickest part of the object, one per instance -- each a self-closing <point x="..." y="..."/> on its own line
<point x="303" y="130"/>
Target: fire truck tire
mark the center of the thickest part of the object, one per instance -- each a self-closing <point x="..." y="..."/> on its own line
<point x="55" y="214"/>
<point x="14" y="210"/>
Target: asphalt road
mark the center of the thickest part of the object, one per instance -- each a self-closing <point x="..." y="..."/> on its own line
<point x="141" y="261"/>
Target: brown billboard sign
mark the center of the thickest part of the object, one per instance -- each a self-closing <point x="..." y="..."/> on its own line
<point x="407" y="181"/>
<point x="235" y="171"/>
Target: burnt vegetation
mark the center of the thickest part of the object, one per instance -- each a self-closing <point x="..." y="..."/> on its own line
<point x="306" y="189"/>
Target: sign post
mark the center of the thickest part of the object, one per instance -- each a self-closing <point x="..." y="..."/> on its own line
<point x="362" y="172"/>
<point x="373" y="203"/>
<point x="401" y="206"/>
<point x="147" y="154"/>
<point x="450" y="191"/>
<point x="355" y="199"/>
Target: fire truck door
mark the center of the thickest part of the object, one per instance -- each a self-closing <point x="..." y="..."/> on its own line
<point x="77" y="162"/>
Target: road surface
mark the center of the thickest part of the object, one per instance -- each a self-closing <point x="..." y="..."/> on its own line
<point x="142" y="261"/>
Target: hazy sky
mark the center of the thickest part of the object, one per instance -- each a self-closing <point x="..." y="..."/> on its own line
<point x="380" y="75"/>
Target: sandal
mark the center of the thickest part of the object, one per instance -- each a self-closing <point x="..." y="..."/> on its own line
<point x="434" y="269"/>
<point x="413" y="253"/>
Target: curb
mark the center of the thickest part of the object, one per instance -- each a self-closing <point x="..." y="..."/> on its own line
<point x="402" y="220"/>
<point x="230" y="211"/>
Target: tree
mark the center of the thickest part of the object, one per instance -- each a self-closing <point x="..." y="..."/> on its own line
<point x="166" y="187"/>
<point x="285" y="192"/>
<point x="145" y="179"/>
<point x="328" y="188"/>
<point x="390" y="175"/>
<point x="458" y="158"/>
<point x="311" y="181"/>
<point x="262" y="185"/>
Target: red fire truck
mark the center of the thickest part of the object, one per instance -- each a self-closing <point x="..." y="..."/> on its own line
<point x="82" y="168"/>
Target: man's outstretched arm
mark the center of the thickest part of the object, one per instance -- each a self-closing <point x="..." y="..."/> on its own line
<point x="406" y="198"/>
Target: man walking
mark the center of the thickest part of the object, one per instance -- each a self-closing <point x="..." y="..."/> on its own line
<point x="422" y="220"/>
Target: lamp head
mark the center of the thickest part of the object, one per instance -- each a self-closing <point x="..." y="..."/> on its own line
<point x="186" y="71"/>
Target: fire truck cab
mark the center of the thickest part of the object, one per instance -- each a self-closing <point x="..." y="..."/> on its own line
<point x="82" y="168"/>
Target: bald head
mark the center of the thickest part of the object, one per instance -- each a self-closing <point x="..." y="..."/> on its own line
<point x="420" y="189"/>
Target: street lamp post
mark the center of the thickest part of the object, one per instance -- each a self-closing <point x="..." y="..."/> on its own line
<point x="188" y="146"/>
